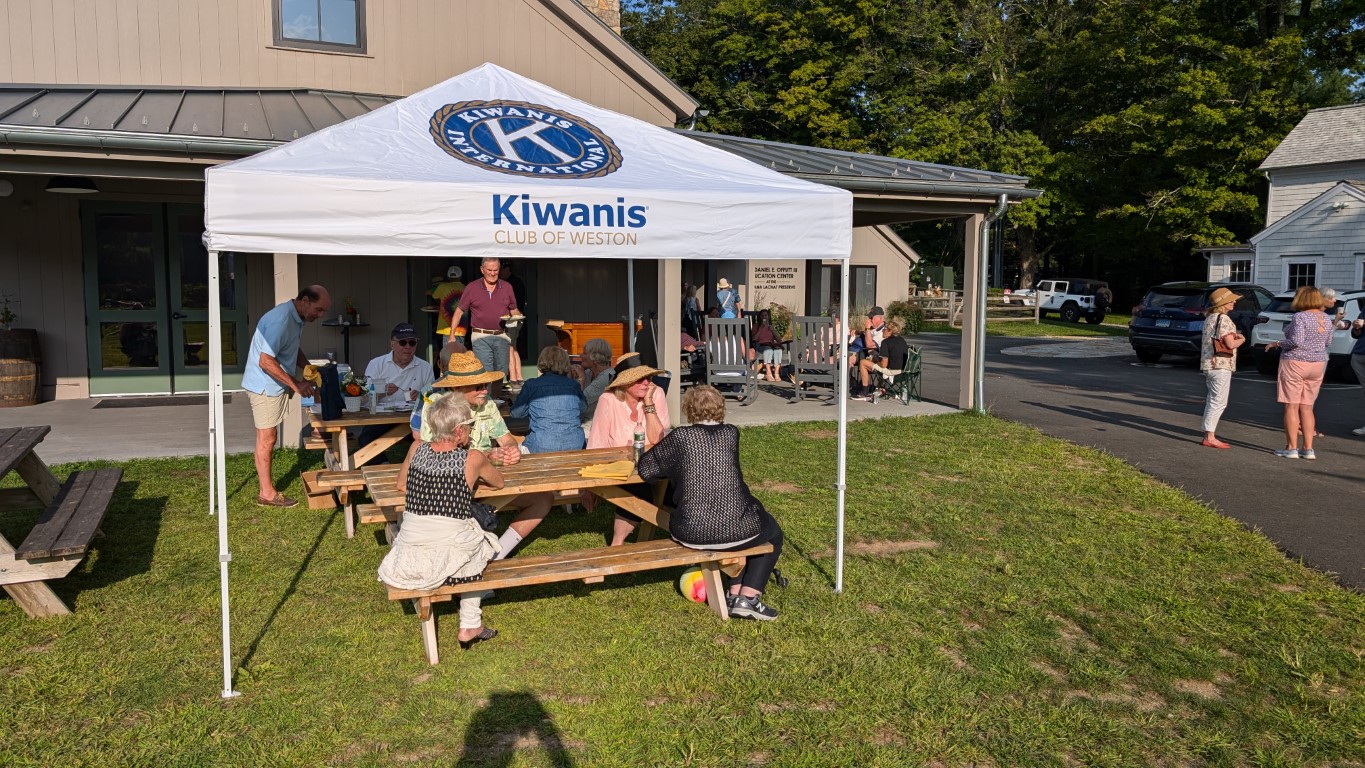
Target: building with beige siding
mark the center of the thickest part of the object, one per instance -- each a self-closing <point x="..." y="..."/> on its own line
<point x="111" y="111"/>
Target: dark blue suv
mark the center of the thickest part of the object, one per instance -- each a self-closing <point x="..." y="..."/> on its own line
<point x="1170" y="319"/>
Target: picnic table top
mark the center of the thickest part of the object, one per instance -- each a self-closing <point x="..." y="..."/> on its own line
<point x="361" y="418"/>
<point x="535" y="473"/>
<point x="16" y="442"/>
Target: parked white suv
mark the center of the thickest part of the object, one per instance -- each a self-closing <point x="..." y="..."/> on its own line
<point x="1270" y="327"/>
<point x="1071" y="298"/>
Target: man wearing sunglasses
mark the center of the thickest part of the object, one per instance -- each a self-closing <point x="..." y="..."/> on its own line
<point x="401" y="374"/>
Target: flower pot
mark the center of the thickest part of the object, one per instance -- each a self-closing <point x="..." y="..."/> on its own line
<point x="352" y="403"/>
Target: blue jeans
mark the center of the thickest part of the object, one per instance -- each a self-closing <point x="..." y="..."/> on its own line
<point x="492" y="351"/>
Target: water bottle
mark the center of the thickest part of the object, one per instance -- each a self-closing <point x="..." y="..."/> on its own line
<point x="639" y="446"/>
<point x="374" y="399"/>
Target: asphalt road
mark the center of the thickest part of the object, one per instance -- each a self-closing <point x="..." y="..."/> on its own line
<point x="1150" y="417"/>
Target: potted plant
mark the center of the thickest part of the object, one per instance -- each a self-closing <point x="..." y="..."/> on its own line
<point x="354" y="387"/>
<point x="7" y="316"/>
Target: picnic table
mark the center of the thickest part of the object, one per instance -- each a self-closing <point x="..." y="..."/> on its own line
<point x="535" y="473"/>
<point x="336" y="441"/>
<point x="72" y="513"/>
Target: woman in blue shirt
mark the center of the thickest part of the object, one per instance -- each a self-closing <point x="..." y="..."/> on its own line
<point x="553" y="401"/>
<point x="727" y="299"/>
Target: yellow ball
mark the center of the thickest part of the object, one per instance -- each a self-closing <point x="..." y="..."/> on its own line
<point x="692" y="585"/>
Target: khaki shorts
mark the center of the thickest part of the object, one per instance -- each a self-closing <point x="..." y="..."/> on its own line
<point x="267" y="411"/>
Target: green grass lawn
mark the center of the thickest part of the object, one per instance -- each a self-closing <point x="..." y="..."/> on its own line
<point x="1010" y="600"/>
<point x="1047" y="327"/>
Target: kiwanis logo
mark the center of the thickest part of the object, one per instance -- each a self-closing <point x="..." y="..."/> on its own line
<point x="524" y="140"/>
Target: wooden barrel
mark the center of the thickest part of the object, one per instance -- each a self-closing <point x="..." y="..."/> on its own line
<point x="21" y="362"/>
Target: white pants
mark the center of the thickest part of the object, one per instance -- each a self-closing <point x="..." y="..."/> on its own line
<point x="471" y="610"/>
<point x="1220" y="383"/>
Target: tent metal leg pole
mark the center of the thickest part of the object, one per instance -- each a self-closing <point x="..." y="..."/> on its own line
<point x="841" y="392"/>
<point x="219" y="463"/>
<point x="630" y="305"/>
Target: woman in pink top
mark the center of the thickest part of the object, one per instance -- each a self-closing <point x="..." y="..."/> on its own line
<point x="631" y="404"/>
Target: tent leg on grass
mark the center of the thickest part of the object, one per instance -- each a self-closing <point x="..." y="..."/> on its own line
<point x="218" y="462"/>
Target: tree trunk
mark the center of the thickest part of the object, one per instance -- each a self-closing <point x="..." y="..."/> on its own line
<point x="1028" y="256"/>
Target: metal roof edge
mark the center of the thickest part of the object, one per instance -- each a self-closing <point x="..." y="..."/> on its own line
<point x="127" y="140"/>
<point x="885" y="184"/>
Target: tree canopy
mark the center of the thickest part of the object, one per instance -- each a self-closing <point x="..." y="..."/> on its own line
<point x="1143" y="121"/>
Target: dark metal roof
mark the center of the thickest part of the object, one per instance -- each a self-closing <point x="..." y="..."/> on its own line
<point x="236" y="122"/>
<point x="861" y="172"/>
<point x="259" y="114"/>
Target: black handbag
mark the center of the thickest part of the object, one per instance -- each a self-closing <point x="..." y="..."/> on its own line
<point x="485" y="516"/>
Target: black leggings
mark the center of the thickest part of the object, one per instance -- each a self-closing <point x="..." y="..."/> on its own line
<point x="760" y="567"/>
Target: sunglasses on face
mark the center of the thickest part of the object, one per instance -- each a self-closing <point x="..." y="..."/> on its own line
<point x="406" y="342"/>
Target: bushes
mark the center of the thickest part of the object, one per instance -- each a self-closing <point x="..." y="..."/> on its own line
<point x="909" y="313"/>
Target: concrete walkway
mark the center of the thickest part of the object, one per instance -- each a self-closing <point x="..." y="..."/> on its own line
<point x="81" y="431"/>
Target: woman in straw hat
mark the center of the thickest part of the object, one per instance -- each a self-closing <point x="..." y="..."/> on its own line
<point x="1303" y="361"/>
<point x="727" y="298"/>
<point x="1218" y="369"/>
<point x="632" y="404"/>
<point x="440" y="542"/>
<point x="715" y="510"/>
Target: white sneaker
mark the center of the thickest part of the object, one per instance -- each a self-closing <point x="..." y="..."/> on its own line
<point x="1307" y="454"/>
<point x="1359" y="432"/>
<point x="1288" y="453"/>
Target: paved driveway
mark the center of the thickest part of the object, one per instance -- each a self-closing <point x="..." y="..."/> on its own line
<point x="1095" y="393"/>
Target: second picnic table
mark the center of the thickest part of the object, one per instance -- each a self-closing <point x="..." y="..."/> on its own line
<point x="333" y="432"/>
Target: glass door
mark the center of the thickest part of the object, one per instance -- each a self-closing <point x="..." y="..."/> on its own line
<point x="125" y="297"/>
<point x="189" y="304"/>
<point x="146" y="275"/>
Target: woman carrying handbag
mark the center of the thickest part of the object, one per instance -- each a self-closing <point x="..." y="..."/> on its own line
<point x="1218" y="361"/>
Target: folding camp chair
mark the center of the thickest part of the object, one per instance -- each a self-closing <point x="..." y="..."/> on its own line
<point x="904" y="386"/>
<point x="727" y="358"/>
<point x="813" y="359"/>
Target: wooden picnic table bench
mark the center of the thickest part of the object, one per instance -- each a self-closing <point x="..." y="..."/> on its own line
<point x="72" y="513"/>
<point x="588" y="565"/>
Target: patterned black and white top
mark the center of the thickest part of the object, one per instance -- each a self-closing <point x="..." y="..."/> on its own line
<point x="715" y="509"/>
<point x="437" y="485"/>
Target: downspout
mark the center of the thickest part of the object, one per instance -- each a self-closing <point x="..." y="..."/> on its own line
<point x="979" y="365"/>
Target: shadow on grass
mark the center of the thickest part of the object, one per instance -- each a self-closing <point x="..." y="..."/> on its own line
<point x="512" y="722"/>
<point x="288" y="593"/>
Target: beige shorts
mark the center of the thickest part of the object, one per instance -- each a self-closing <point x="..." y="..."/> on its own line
<point x="267" y="411"/>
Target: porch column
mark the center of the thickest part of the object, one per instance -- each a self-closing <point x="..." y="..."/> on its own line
<point x="971" y="276"/>
<point x="670" y="332"/>
<point x="286" y="268"/>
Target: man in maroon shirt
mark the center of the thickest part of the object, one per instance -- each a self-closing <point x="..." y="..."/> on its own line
<point x="487" y="301"/>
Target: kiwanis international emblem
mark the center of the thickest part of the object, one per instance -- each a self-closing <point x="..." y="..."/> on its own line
<point x="524" y="139"/>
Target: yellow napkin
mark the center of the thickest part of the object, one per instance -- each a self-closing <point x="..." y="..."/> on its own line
<point x="616" y="470"/>
<point x="310" y="373"/>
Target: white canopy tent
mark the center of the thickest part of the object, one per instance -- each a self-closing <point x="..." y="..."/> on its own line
<point x="492" y="164"/>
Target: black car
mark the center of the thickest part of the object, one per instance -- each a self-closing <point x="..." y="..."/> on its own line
<point x="1170" y="319"/>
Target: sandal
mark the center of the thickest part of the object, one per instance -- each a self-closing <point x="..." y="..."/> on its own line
<point x="485" y="634"/>
<point x="280" y="500"/>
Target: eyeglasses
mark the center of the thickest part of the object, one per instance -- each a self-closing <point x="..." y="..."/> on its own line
<point x="406" y="342"/>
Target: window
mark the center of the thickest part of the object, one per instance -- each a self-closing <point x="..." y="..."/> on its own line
<point x="322" y="25"/>
<point x="1300" y="273"/>
<point x="863" y="283"/>
<point x="1239" y="270"/>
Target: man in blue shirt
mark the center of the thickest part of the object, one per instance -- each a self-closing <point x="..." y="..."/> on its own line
<point x="274" y="370"/>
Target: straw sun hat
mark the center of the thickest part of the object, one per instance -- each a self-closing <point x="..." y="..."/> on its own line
<point x="722" y="284"/>
<point x="1222" y="296"/>
<point x="465" y="370"/>
<point x="629" y="370"/>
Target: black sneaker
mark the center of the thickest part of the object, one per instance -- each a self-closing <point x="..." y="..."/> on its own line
<point x="752" y="608"/>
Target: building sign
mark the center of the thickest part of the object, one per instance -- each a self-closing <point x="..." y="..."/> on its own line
<point x="775" y="282"/>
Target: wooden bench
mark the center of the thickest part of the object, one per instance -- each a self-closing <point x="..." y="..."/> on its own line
<point x="583" y="565"/>
<point x="333" y="487"/>
<point x="61" y="538"/>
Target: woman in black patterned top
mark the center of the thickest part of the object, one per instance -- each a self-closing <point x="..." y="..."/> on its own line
<point x="715" y="510"/>
<point x="440" y="542"/>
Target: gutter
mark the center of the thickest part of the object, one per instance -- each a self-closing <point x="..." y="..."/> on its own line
<point x="863" y="184"/>
<point x="15" y="137"/>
